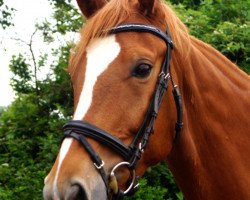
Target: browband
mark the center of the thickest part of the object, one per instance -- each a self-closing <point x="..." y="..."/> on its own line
<point x="143" y="28"/>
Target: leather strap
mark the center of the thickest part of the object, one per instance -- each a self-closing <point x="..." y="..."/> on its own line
<point x="88" y="130"/>
<point x="143" y="28"/>
<point x="94" y="156"/>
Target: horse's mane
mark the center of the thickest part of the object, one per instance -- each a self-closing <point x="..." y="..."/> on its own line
<point x="117" y="11"/>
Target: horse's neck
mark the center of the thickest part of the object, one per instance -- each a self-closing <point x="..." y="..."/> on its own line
<point x="211" y="159"/>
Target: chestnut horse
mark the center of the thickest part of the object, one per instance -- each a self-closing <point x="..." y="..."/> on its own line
<point x="114" y="70"/>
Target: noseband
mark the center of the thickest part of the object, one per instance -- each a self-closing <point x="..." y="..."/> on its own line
<point x="80" y="130"/>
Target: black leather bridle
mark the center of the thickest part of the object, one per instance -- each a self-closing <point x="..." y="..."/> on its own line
<point x="80" y="130"/>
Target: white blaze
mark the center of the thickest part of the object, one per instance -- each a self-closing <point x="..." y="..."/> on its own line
<point x="100" y="53"/>
<point x="63" y="151"/>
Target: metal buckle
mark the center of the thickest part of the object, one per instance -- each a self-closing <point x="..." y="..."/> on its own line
<point x="140" y="148"/>
<point x="165" y="76"/>
<point x="100" y="166"/>
<point x="132" y="173"/>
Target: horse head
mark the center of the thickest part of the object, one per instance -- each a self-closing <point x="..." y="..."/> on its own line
<point x="126" y="120"/>
<point x="115" y="69"/>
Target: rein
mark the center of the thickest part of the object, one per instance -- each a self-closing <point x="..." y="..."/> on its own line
<point x="80" y="130"/>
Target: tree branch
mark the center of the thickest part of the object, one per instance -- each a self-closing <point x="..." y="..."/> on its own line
<point x="33" y="57"/>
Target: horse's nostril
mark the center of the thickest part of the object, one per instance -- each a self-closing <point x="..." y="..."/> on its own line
<point x="76" y="192"/>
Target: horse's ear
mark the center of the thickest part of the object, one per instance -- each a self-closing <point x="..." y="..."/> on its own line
<point x="146" y="6"/>
<point x="89" y="7"/>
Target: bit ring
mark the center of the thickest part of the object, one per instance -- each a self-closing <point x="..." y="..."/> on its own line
<point x="132" y="173"/>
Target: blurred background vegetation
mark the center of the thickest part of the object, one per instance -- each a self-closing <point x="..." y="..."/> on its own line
<point x="31" y="127"/>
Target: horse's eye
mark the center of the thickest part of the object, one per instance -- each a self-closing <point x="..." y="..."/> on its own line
<point x="142" y="70"/>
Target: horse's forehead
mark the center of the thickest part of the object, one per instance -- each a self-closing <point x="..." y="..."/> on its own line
<point x="100" y="53"/>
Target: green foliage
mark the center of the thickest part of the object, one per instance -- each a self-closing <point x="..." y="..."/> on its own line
<point x="233" y="41"/>
<point x="31" y="129"/>
<point x="224" y="24"/>
<point x="2" y="108"/>
<point x="67" y="19"/>
<point x="5" y="15"/>
<point x="19" y="148"/>
<point x="188" y="3"/>
<point x="155" y="192"/>
<point x="226" y="10"/>
<point x="67" y="16"/>
<point x="21" y="82"/>
<point x="157" y="183"/>
<point x="28" y="147"/>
